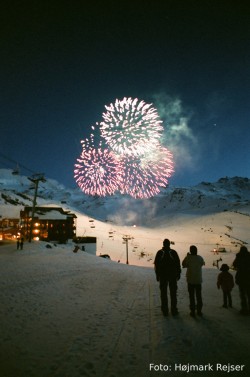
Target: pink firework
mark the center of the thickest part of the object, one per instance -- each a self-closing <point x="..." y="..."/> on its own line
<point x="131" y="127"/>
<point x="97" y="171"/>
<point x="144" y="177"/>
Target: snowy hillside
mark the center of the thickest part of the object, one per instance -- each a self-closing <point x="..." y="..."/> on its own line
<point x="209" y="215"/>
<point x="226" y="194"/>
<point x="73" y="314"/>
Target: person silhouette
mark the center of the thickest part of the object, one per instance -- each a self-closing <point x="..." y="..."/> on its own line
<point x="21" y="243"/>
<point x="194" y="263"/>
<point x="225" y="281"/>
<point x="168" y="271"/>
<point x="242" y="266"/>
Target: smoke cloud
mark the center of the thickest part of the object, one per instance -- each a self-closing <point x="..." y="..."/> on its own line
<point x="178" y="136"/>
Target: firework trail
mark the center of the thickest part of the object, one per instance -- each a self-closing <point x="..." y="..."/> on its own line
<point x="97" y="171"/>
<point x="131" y="127"/>
<point x="144" y="176"/>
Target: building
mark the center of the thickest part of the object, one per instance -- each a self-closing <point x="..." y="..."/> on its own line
<point x="49" y="224"/>
<point x="9" y="228"/>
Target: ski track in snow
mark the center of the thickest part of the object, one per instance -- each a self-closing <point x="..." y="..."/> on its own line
<point x="70" y="315"/>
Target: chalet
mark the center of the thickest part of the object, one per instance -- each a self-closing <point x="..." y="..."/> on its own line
<point x="49" y="224"/>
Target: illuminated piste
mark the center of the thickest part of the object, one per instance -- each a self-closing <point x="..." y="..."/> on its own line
<point x="128" y="156"/>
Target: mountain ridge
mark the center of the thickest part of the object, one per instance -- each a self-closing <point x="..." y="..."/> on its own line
<point x="227" y="194"/>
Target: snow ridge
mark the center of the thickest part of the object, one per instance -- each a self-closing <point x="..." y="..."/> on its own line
<point x="227" y="194"/>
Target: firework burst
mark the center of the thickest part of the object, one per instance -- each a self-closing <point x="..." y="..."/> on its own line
<point x="97" y="171"/>
<point x="129" y="158"/>
<point x="144" y="176"/>
<point x="131" y="127"/>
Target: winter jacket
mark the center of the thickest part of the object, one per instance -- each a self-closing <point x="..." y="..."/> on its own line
<point x="225" y="281"/>
<point x="194" y="264"/>
<point x="167" y="265"/>
<point x="242" y="265"/>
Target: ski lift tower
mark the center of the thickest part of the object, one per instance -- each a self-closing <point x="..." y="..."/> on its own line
<point x="126" y="238"/>
<point x="35" y="178"/>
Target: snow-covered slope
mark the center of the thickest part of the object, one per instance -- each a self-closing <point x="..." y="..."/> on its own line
<point x="86" y="316"/>
<point x="226" y="194"/>
<point x="72" y="315"/>
<point x="208" y="215"/>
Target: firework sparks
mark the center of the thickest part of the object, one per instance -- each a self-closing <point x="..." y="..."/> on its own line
<point x="97" y="171"/>
<point x="144" y="177"/>
<point x="131" y="127"/>
<point x="129" y="158"/>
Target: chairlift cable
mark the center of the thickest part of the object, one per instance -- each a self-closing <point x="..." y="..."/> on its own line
<point x="16" y="163"/>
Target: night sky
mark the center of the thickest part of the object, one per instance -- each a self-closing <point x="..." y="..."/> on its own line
<point x="63" y="61"/>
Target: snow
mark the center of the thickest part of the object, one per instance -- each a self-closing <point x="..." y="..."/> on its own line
<point x="66" y="314"/>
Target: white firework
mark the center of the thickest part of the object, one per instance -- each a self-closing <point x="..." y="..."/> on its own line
<point x="131" y="127"/>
